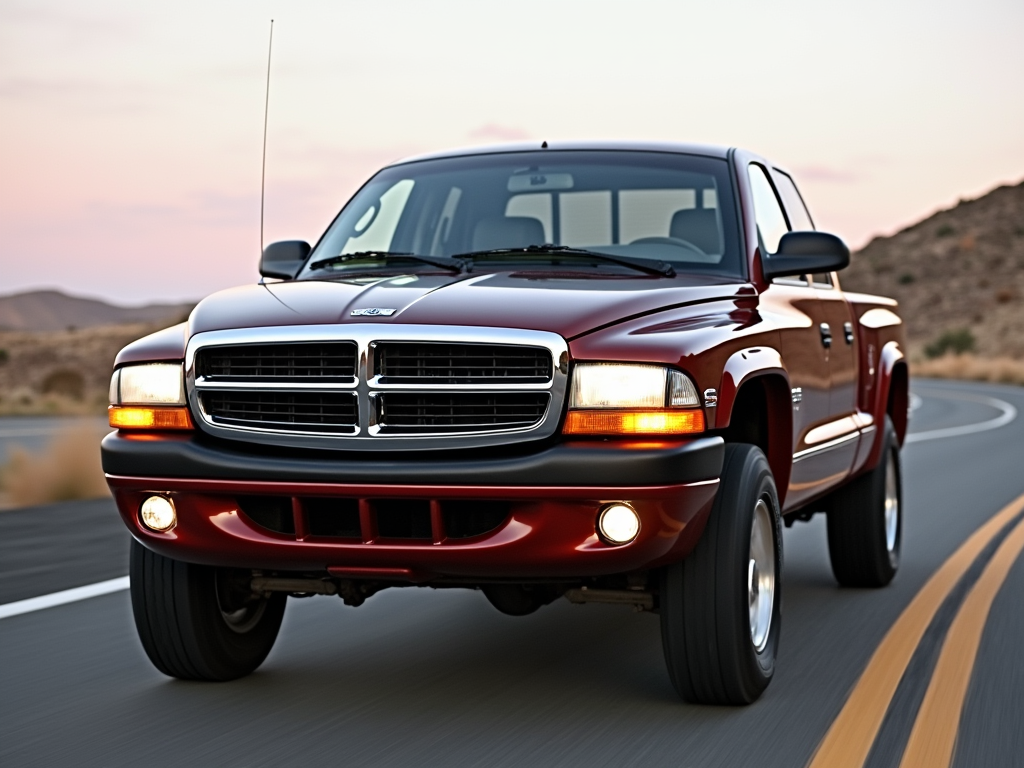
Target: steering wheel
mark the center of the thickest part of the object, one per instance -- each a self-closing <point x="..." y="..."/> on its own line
<point x="676" y="241"/>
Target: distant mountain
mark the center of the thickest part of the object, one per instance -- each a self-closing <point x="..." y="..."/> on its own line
<point x="962" y="268"/>
<point x="56" y="311"/>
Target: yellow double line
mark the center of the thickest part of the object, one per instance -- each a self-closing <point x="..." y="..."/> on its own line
<point x="933" y="737"/>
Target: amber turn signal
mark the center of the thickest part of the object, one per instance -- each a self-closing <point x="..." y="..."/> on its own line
<point x="132" y="417"/>
<point x="660" y="422"/>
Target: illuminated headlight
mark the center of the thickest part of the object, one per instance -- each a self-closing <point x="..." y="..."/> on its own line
<point x="624" y="399"/>
<point x="616" y="385"/>
<point x="149" y="384"/>
<point x="149" y="396"/>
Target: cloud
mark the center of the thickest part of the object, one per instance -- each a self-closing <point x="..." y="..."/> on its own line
<point x="825" y="175"/>
<point x="496" y="132"/>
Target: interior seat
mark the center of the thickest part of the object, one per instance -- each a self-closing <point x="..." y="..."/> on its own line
<point x="507" y="232"/>
<point x="698" y="226"/>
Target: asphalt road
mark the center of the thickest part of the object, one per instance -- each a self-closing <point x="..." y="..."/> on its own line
<point x="422" y="677"/>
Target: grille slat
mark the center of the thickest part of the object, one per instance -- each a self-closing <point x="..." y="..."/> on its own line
<point x="437" y="363"/>
<point x="460" y="411"/>
<point x="327" y="362"/>
<point x="300" y="411"/>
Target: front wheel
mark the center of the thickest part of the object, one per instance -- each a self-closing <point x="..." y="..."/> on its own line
<point x="720" y="607"/>
<point x="200" y="623"/>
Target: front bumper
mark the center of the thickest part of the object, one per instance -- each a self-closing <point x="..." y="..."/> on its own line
<point x="553" y="497"/>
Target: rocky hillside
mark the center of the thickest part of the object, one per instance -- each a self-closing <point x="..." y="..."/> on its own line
<point x="56" y="311"/>
<point x="958" y="275"/>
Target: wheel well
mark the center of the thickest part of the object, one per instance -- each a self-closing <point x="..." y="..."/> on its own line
<point x="899" y="399"/>
<point x="762" y="415"/>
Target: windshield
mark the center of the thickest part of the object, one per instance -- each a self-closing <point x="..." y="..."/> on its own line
<point x="672" y="208"/>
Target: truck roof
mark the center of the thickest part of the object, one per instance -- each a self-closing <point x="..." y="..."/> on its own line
<point x="707" y="150"/>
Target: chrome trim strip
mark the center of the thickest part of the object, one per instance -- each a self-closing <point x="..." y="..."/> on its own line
<point x="368" y="435"/>
<point x="825" y="446"/>
<point x="278" y="386"/>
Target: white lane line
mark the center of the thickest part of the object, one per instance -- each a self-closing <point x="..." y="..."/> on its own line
<point x="915" y="402"/>
<point x="1007" y="414"/>
<point x="62" y="598"/>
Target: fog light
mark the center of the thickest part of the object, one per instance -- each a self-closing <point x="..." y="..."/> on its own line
<point x="618" y="523"/>
<point x="158" y="514"/>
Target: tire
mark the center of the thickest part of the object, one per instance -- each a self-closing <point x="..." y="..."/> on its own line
<point x="200" y="623"/>
<point x="719" y="635"/>
<point x="865" y="521"/>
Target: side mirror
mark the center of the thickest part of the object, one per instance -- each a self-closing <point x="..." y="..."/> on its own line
<point x="802" y="253"/>
<point x="284" y="259"/>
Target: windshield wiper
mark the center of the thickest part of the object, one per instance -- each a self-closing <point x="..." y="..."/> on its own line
<point x="452" y="265"/>
<point x="649" y="266"/>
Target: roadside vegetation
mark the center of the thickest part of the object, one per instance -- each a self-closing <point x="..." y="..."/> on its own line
<point x="969" y="367"/>
<point x="67" y="469"/>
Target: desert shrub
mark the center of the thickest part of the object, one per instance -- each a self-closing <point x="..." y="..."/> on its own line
<point x="64" y="381"/>
<point x="4" y="356"/>
<point x="945" y="231"/>
<point x="906" y="278"/>
<point x="67" y="469"/>
<point x="956" y="341"/>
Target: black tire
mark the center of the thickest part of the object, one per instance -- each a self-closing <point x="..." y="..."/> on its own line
<point x="864" y="549"/>
<point x="184" y="629"/>
<point x="705" y="600"/>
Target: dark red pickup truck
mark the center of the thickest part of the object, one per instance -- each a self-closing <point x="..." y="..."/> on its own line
<point x="605" y="372"/>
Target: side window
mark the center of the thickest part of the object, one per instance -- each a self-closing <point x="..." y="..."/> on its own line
<point x="771" y="223"/>
<point x="799" y="217"/>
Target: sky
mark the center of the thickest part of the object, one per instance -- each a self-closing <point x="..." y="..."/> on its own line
<point x="131" y="133"/>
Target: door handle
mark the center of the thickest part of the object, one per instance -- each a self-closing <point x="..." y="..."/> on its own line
<point x="848" y="332"/>
<point x="826" y="335"/>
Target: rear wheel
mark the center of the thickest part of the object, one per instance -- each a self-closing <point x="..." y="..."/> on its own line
<point x="865" y="521"/>
<point x="720" y="607"/>
<point x="200" y="623"/>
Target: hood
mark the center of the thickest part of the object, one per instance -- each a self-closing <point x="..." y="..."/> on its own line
<point x="569" y="305"/>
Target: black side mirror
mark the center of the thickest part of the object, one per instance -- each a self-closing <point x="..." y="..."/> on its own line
<point x="284" y="259"/>
<point x="802" y="253"/>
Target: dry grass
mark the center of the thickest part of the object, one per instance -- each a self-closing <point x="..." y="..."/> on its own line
<point x="998" y="370"/>
<point x="67" y="469"/>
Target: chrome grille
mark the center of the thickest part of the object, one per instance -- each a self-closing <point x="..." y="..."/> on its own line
<point x="434" y="363"/>
<point x="411" y="412"/>
<point x="377" y="385"/>
<point x="331" y="362"/>
<point x="299" y="411"/>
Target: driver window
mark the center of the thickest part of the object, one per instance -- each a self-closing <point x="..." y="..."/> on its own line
<point x="771" y="223"/>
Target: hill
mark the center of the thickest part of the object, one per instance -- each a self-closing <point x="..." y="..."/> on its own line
<point x="957" y="274"/>
<point x="56" y="311"/>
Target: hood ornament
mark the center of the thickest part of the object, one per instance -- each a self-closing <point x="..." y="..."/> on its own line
<point x="373" y="312"/>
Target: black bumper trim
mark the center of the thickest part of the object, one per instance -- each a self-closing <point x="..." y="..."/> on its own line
<point x="565" y="464"/>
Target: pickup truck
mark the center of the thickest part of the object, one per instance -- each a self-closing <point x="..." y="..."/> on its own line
<point x="604" y="372"/>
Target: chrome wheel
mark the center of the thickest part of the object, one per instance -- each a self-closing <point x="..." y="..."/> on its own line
<point x="892" y="504"/>
<point x="761" y="575"/>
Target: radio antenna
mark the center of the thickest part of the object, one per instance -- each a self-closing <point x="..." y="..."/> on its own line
<point x="266" y="112"/>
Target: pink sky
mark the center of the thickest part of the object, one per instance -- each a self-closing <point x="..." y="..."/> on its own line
<point x="130" y="134"/>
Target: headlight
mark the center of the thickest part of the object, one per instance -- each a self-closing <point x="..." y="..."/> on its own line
<point x="150" y="384"/>
<point x="623" y="399"/>
<point x="149" y="396"/>
<point x="613" y="385"/>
